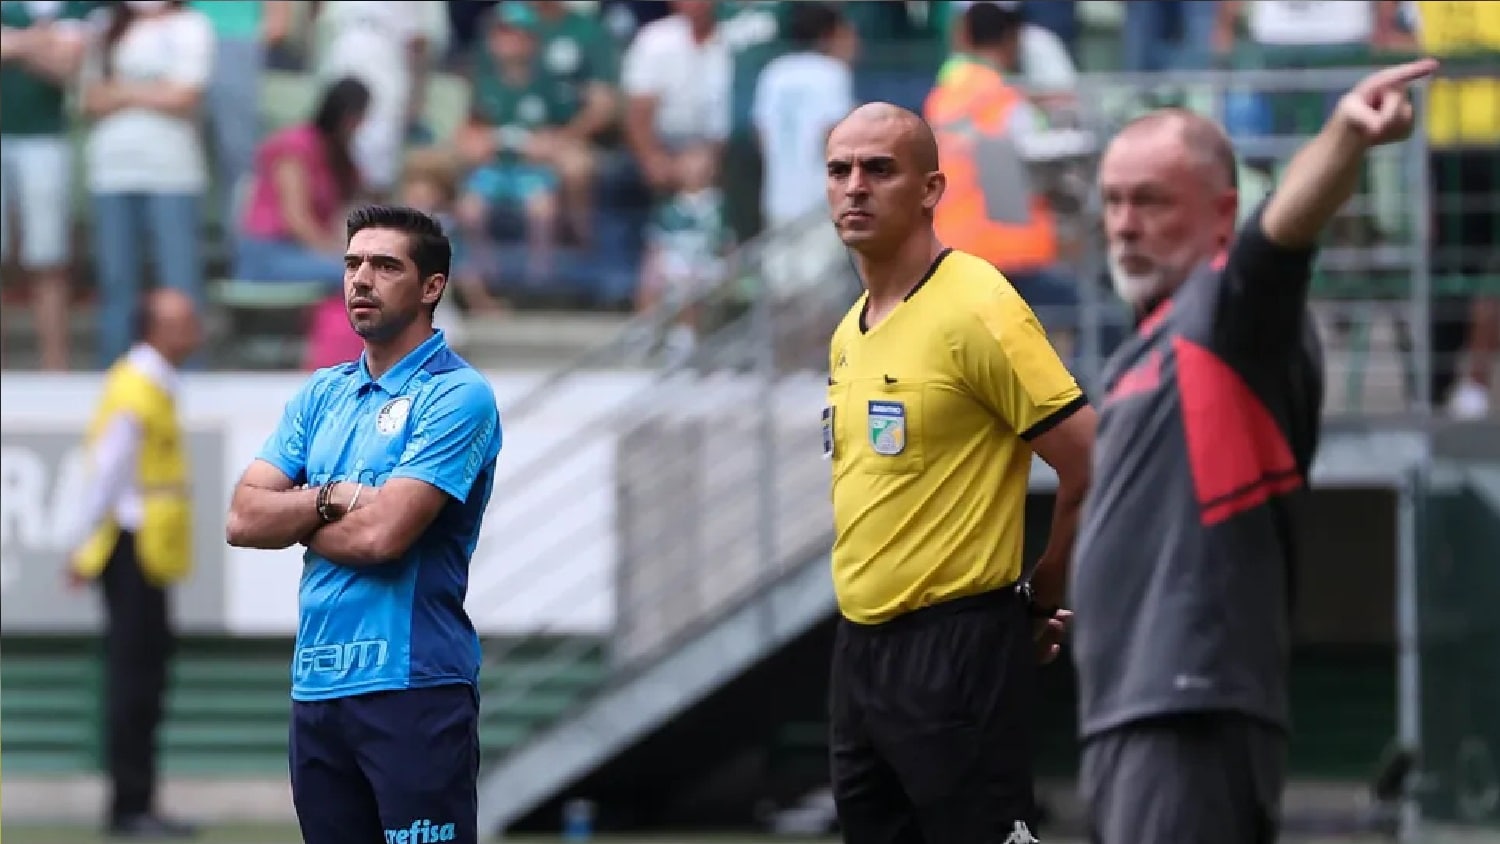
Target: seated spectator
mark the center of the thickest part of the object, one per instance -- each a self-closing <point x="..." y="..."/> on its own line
<point x="514" y="140"/>
<point x="384" y="44"/>
<point x="576" y="49"/>
<point x="41" y="46"/>
<point x="686" y="243"/>
<point x="676" y="76"/>
<point x="293" y="229"/>
<point x="581" y="59"/>
<point x="429" y="184"/>
<point x="145" y="164"/>
<point x="304" y="179"/>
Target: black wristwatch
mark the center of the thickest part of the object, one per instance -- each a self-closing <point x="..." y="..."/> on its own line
<point x="1036" y="610"/>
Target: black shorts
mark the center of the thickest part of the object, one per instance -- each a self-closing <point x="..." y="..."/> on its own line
<point x="1209" y="778"/>
<point x="933" y="716"/>
<point x="397" y="766"/>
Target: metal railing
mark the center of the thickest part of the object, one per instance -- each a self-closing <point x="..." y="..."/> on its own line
<point x="716" y="489"/>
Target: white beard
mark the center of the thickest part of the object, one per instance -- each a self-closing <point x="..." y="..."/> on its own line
<point x="1135" y="288"/>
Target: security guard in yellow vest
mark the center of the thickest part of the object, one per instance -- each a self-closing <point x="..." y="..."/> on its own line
<point x="137" y="515"/>
<point x="1463" y="133"/>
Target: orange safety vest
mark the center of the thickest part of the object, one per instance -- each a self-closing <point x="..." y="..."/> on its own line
<point x="973" y="105"/>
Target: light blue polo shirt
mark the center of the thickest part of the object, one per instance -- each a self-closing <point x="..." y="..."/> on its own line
<point x="401" y="624"/>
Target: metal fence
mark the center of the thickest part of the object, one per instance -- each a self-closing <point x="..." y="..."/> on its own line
<point x="718" y="488"/>
<point x="1402" y="268"/>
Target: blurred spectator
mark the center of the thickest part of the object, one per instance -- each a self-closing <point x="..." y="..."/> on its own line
<point x="1169" y="34"/>
<point x="798" y="98"/>
<point x="686" y="243"/>
<point x="429" y="184"/>
<point x="243" y="31"/>
<point x="292" y="229"/>
<point x="575" y="48"/>
<point x="984" y="126"/>
<point x="133" y="535"/>
<point x="581" y="59"/>
<point x="143" y="93"/>
<point x="1301" y="34"/>
<point x="41" y="46"/>
<point x="384" y="44"/>
<point x="1059" y="17"/>
<point x="515" y="140"/>
<point x="1463" y="129"/>
<point x="466" y="20"/>
<point x="304" y="179"/>
<point x="624" y="18"/>
<point x="1044" y="64"/>
<point x="676" y="77"/>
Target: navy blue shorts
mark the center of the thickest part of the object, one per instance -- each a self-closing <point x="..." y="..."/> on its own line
<point x="400" y="767"/>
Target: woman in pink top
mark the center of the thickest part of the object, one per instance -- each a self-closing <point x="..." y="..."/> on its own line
<point x="293" y="224"/>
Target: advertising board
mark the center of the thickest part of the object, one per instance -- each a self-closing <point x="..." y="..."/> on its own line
<point x="42" y="476"/>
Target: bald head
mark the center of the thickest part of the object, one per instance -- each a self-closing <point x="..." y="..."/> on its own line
<point x="169" y="322"/>
<point x="913" y="135"/>
<point x="1199" y="137"/>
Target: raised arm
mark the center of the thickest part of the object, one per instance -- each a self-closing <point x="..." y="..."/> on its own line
<point x="1262" y="306"/>
<point x="1325" y="173"/>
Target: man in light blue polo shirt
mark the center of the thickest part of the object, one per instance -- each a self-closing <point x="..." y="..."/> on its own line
<point x="382" y="468"/>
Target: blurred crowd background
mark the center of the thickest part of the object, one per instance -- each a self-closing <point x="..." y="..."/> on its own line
<point x="600" y="158"/>
<point x="636" y="189"/>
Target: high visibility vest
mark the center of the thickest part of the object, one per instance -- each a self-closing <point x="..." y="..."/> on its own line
<point x="989" y="209"/>
<point x="164" y="541"/>
<point x="1462" y="111"/>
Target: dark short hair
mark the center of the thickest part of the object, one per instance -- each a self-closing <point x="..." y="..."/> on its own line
<point x="811" y="22"/>
<point x="990" y="25"/>
<point x="427" y="245"/>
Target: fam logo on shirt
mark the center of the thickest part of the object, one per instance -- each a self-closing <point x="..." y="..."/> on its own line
<point x="391" y="417"/>
<point x="1021" y="834"/>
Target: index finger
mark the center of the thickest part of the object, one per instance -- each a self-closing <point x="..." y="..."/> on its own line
<point x="1398" y="75"/>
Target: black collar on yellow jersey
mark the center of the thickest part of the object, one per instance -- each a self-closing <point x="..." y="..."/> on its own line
<point x="864" y="309"/>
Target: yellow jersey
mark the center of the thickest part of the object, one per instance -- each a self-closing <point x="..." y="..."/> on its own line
<point x="163" y="543"/>
<point x="928" y="417"/>
<point x="1466" y="111"/>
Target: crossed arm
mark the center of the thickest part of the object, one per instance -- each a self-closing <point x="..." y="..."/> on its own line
<point x="269" y="511"/>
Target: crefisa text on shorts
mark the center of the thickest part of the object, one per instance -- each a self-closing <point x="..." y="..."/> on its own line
<point x="420" y="832"/>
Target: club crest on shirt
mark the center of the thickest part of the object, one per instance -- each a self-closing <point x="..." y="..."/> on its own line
<point x="887" y="427"/>
<point x="393" y="415"/>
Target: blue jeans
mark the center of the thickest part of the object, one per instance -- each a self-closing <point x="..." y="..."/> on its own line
<point x="173" y="228"/>
<point x="236" y="126"/>
<point x="280" y="260"/>
<point x="1168" y="35"/>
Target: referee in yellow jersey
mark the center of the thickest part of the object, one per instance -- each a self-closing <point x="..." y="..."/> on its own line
<point x="941" y="386"/>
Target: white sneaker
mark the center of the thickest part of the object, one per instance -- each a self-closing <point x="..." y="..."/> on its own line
<point x="1469" y="401"/>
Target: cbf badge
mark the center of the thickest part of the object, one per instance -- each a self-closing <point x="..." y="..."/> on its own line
<point x="828" y="433"/>
<point x="391" y="417"/>
<point x="887" y="427"/>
